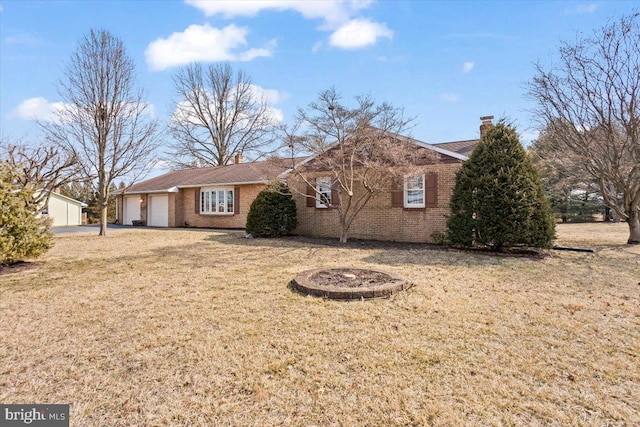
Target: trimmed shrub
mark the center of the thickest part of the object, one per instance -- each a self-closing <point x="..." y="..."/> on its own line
<point x="23" y="232"/>
<point x="272" y="213"/>
<point x="499" y="201"/>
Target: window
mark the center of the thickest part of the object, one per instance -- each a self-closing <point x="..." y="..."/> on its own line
<point x="323" y="189"/>
<point x="414" y="192"/>
<point x="216" y="201"/>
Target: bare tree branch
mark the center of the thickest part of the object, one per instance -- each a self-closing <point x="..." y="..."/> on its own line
<point x="590" y="101"/>
<point x="41" y="168"/>
<point x="359" y="148"/>
<point x="217" y="115"/>
<point x="105" y="124"/>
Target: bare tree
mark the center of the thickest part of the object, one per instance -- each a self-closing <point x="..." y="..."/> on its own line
<point x="40" y="168"/>
<point x="359" y="148"/>
<point x="590" y="100"/>
<point x="570" y="187"/>
<point x="105" y="123"/>
<point x="218" y="114"/>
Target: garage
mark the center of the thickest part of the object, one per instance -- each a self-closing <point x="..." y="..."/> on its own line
<point x="131" y="209"/>
<point x="159" y="211"/>
<point x="64" y="211"/>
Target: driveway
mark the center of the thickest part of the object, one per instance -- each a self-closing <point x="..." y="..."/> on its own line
<point x="91" y="228"/>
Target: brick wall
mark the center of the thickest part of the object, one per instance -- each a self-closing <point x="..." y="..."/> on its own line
<point x="182" y="209"/>
<point x="378" y="220"/>
<point x="172" y="210"/>
<point x="186" y="209"/>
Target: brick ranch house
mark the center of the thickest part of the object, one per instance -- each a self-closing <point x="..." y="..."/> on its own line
<point x="220" y="197"/>
<point x="413" y="211"/>
<point x="211" y="197"/>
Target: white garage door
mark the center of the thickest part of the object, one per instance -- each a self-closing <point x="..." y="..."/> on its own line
<point x="159" y="211"/>
<point x="131" y="209"/>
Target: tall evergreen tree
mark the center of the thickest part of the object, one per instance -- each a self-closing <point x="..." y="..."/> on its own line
<point x="499" y="201"/>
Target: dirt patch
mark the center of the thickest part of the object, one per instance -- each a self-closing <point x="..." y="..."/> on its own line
<point x="350" y="278"/>
<point x="17" y="267"/>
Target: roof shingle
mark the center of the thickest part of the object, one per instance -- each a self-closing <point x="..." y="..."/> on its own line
<point x="235" y="174"/>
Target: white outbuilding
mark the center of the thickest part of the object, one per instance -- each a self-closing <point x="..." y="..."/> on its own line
<point x="64" y="211"/>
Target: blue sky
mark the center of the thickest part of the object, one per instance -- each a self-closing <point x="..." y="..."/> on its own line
<point x="448" y="63"/>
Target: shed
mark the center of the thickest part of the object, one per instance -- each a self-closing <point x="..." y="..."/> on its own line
<point x="64" y="211"/>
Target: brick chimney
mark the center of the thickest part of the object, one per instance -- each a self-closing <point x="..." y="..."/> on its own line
<point x="237" y="159"/>
<point x="487" y="124"/>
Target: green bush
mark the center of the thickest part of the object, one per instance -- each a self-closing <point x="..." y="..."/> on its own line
<point x="272" y="213"/>
<point x="23" y="233"/>
<point x="498" y="201"/>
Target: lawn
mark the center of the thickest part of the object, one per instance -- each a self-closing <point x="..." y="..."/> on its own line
<point x="185" y="327"/>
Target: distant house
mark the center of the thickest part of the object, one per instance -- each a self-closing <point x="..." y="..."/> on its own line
<point x="64" y="211"/>
<point x="214" y="197"/>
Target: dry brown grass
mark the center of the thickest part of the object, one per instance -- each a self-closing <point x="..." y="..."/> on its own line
<point x="178" y="327"/>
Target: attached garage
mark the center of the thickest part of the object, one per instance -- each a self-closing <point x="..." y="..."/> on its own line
<point x="159" y="211"/>
<point x="211" y="197"/>
<point x="131" y="209"/>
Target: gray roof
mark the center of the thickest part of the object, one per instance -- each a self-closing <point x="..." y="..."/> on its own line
<point x="461" y="147"/>
<point x="234" y="174"/>
<point x="262" y="172"/>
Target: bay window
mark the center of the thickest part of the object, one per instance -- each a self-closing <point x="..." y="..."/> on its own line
<point x="216" y="201"/>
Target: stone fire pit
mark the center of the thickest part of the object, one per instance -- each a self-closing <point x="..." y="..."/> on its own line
<point x="348" y="283"/>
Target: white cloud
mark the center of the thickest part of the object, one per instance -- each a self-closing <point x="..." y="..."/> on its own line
<point x="331" y="11"/>
<point x="38" y="109"/>
<point x="25" y="39"/>
<point x="467" y="67"/>
<point x="581" y="8"/>
<point x="203" y="43"/>
<point x="359" y="33"/>
<point x="272" y="97"/>
<point x="316" y="47"/>
<point x="336" y="16"/>
<point x="41" y="109"/>
<point x="449" y="97"/>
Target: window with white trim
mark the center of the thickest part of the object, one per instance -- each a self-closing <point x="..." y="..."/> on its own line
<point x="216" y="201"/>
<point x="323" y="189"/>
<point x="414" y="191"/>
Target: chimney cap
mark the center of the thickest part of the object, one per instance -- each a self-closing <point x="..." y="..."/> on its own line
<point x="486" y="118"/>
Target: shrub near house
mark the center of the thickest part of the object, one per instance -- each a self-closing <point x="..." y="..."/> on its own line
<point x="23" y="233"/>
<point x="272" y="213"/>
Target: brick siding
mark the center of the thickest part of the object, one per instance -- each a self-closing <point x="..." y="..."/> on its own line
<point x="182" y="209"/>
<point x="378" y="220"/>
<point x="185" y="206"/>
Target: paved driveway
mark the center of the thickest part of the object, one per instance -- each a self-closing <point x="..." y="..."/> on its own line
<point x="92" y="228"/>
